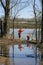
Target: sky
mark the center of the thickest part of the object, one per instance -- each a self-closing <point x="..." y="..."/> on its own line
<point x="25" y="13"/>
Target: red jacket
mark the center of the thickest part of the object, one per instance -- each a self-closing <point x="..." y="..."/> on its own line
<point x="20" y="30"/>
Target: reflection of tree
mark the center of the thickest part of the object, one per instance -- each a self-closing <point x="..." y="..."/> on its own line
<point x="13" y="55"/>
<point x="6" y="50"/>
<point x="7" y="62"/>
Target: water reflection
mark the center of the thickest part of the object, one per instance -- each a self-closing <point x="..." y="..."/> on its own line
<point x="21" y="55"/>
<point x="7" y="62"/>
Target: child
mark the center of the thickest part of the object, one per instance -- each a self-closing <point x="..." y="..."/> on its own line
<point x="28" y="37"/>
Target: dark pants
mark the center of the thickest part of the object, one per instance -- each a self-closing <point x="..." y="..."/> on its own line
<point x="19" y="35"/>
<point x="27" y="37"/>
<point x="27" y="40"/>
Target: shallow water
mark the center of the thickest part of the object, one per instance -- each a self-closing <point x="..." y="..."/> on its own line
<point x="24" y="56"/>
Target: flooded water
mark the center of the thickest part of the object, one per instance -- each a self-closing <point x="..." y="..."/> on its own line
<point x="24" y="56"/>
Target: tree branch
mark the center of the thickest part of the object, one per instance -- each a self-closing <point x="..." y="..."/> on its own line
<point x="2" y="4"/>
<point x="18" y="3"/>
<point x="19" y="11"/>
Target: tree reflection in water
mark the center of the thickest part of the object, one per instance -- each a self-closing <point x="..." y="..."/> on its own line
<point x="10" y="61"/>
<point x="7" y="62"/>
<point x="37" y="55"/>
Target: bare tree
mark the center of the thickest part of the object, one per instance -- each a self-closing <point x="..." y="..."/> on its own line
<point x="6" y="6"/>
<point x="16" y="6"/>
<point x="42" y="24"/>
<point x="37" y="11"/>
<point x="34" y="11"/>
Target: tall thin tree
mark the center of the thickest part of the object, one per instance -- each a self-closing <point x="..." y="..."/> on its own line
<point x="42" y="25"/>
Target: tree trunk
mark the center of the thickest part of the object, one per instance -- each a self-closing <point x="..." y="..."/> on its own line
<point x="42" y="36"/>
<point x="7" y="10"/>
<point x="42" y="25"/>
<point x="1" y="30"/>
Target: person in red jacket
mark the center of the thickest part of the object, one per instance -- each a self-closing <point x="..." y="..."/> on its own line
<point x="19" y="32"/>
